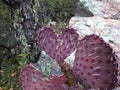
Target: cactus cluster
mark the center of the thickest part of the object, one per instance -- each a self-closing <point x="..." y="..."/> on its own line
<point x="95" y="65"/>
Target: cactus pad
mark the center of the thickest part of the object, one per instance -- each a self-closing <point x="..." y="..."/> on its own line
<point x="95" y="64"/>
<point x="57" y="46"/>
<point x="32" y="79"/>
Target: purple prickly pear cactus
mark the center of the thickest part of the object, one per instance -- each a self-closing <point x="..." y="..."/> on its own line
<point x="58" y="46"/>
<point x="32" y="79"/>
<point x="95" y="64"/>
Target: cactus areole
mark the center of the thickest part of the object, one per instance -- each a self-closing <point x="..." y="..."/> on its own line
<point x="57" y="46"/>
<point x="95" y="64"/>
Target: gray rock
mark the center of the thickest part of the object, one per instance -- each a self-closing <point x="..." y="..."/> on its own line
<point x="48" y="66"/>
<point x="83" y="12"/>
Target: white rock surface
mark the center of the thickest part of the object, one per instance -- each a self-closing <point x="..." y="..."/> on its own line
<point x="104" y="8"/>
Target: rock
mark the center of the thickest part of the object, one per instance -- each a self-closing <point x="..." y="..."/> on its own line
<point x="108" y="29"/>
<point x="104" y="8"/>
<point x="48" y="66"/>
<point x="83" y="12"/>
<point x="118" y="88"/>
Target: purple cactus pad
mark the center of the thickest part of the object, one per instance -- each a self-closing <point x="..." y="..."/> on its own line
<point x="95" y="64"/>
<point x="32" y="79"/>
<point x="57" y="46"/>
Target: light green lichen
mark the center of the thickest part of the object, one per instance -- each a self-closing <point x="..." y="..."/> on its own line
<point x="20" y="35"/>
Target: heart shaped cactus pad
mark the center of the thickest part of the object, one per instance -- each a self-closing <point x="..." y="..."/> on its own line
<point x="32" y="79"/>
<point x="95" y="64"/>
<point x="57" y="46"/>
